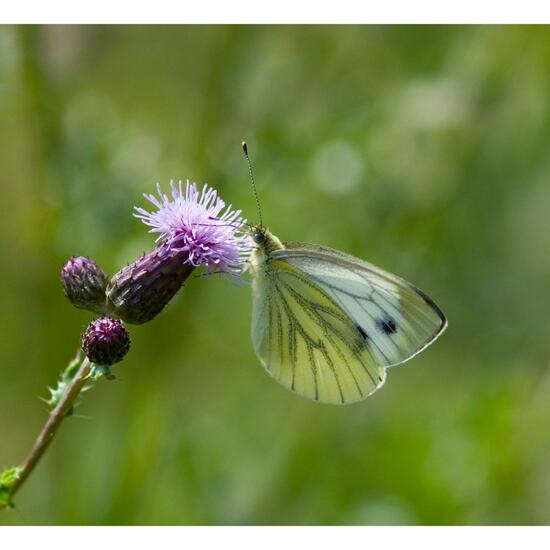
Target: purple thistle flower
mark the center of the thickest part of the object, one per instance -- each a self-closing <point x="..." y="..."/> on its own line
<point x="192" y="222"/>
<point x="105" y="341"/>
<point x="194" y="228"/>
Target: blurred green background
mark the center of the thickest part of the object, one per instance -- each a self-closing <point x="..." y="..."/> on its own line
<point x="422" y="149"/>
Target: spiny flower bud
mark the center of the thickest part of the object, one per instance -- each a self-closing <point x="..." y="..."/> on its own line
<point x="139" y="291"/>
<point x="84" y="283"/>
<point x="105" y="341"/>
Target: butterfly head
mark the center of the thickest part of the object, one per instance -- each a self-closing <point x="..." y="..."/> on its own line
<point x="265" y="241"/>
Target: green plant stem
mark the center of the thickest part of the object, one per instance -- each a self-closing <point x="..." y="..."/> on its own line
<point x="52" y="425"/>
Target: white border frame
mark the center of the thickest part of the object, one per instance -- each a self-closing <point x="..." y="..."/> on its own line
<point x="275" y="538"/>
<point x="278" y="11"/>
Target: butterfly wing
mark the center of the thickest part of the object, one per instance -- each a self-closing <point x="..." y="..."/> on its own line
<point x="397" y="319"/>
<point x="326" y="324"/>
<point x="306" y="341"/>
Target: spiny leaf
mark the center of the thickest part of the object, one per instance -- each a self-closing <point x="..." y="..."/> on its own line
<point x="7" y="478"/>
<point x="65" y="378"/>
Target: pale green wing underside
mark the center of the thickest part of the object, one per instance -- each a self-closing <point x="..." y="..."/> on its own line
<point x="326" y="324"/>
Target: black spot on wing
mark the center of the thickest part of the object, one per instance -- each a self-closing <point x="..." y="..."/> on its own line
<point x="362" y="332"/>
<point x="386" y="324"/>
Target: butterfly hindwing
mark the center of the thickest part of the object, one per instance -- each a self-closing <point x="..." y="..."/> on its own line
<point x="307" y="341"/>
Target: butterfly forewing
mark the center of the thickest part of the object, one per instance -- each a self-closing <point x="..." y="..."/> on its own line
<point x="396" y="319"/>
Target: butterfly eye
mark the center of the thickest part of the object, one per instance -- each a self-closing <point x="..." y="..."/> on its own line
<point x="258" y="238"/>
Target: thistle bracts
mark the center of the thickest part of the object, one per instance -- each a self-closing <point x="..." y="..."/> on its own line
<point x="105" y="341"/>
<point x="139" y="291"/>
<point x="84" y="283"/>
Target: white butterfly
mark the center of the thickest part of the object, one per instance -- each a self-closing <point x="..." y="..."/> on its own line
<point x="326" y="325"/>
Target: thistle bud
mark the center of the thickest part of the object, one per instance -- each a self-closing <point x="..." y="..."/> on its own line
<point x="105" y="341"/>
<point x="84" y="283"/>
<point x="139" y="291"/>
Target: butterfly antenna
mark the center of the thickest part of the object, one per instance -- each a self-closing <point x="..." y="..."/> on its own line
<point x="251" y="174"/>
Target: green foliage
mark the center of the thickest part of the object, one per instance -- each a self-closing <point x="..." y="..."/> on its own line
<point x="7" y="478"/>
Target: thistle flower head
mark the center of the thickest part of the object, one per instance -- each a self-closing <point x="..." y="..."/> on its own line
<point x="198" y="224"/>
<point x="105" y="341"/>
